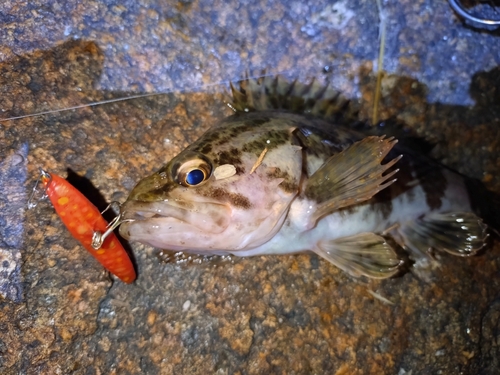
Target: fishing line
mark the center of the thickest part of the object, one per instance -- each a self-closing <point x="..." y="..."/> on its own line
<point x="109" y="101"/>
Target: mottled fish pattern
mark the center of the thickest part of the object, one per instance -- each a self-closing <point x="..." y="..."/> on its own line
<point x="269" y="181"/>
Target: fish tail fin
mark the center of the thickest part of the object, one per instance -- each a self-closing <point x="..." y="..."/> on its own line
<point x="457" y="233"/>
<point x="276" y="92"/>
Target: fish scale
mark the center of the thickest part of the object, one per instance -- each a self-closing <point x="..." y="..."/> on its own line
<point x="304" y="180"/>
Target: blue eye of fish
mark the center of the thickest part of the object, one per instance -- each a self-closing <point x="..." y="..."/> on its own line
<point x="193" y="170"/>
<point x="195" y="177"/>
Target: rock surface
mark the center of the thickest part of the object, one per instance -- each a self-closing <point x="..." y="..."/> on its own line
<point x="61" y="313"/>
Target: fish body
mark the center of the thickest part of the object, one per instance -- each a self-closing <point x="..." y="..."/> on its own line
<point x="273" y="182"/>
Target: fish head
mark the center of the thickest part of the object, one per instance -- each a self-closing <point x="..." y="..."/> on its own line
<point x="215" y="196"/>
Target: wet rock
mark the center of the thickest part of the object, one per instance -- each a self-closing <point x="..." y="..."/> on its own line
<point x="276" y="314"/>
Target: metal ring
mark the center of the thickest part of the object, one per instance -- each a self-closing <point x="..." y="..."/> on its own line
<point x="457" y="7"/>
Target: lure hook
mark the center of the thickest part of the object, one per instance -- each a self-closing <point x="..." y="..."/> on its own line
<point x="99" y="237"/>
<point x="43" y="176"/>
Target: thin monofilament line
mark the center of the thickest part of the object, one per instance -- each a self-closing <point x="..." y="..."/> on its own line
<point x="380" y="67"/>
<point x="109" y="101"/>
<point x="82" y="106"/>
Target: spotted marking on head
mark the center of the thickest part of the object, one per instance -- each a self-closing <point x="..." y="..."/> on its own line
<point x="289" y="185"/>
<point x="219" y="220"/>
<point x="216" y="138"/>
<point x="238" y="128"/>
<point x="153" y="194"/>
<point x="269" y="140"/>
<point x="211" y="136"/>
<point x="256" y="122"/>
<point x="206" y="148"/>
<point x="233" y="156"/>
<point x="222" y="195"/>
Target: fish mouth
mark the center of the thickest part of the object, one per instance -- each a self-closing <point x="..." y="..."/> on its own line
<point x="144" y="219"/>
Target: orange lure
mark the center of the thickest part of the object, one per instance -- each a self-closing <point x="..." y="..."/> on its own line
<point x="83" y="219"/>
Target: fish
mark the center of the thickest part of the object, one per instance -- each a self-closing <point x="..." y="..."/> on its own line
<point x="288" y="173"/>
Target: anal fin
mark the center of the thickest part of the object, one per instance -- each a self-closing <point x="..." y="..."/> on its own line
<point x="458" y="233"/>
<point x="351" y="176"/>
<point x="364" y="254"/>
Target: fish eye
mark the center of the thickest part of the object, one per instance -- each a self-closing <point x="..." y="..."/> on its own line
<point x="195" y="177"/>
<point x="193" y="172"/>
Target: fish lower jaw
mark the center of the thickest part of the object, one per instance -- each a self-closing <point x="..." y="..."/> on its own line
<point x="169" y="233"/>
<point x="158" y="217"/>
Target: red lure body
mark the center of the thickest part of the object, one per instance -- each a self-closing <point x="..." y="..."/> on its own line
<point x="82" y="219"/>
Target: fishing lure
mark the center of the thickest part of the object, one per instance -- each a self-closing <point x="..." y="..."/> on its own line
<point x="86" y="224"/>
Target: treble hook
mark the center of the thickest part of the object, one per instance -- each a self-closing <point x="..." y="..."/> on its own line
<point x="43" y="176"/>
<point x="99" y="237"/>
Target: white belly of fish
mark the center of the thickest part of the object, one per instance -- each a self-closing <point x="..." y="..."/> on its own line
<point x="294" y="236"/>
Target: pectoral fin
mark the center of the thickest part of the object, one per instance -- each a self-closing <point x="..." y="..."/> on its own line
<point x="458" y="233"/>
<point x="351" y="176"/>
<point x="365" y="254"/>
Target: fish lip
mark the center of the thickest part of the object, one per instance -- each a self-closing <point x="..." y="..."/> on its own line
<point x="208" y="216"/>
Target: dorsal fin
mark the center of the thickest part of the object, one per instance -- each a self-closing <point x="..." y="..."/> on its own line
<point x="277" y="93"/>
